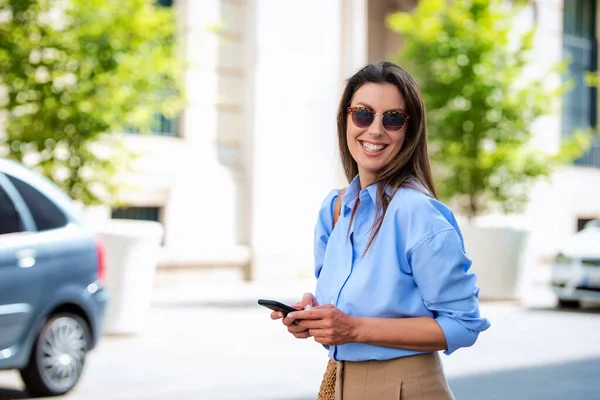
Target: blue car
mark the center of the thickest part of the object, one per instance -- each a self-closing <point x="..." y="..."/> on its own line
<point x="52" y="298"/>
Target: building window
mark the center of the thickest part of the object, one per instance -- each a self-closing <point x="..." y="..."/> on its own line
<point x="139" y="213"/>
<point x="164" y="126"/>
<point x="580" y="48"/>
<point x="161" y="126"/>
<point x="581" y="222"/>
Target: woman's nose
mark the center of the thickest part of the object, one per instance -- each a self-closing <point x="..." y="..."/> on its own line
<point x="376" y="127"/>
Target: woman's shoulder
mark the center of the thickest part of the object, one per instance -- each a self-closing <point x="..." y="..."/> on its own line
<point x="327" y="207"/>
<point x="416" y="198"/>
<point x="420" y="212"/>
<point x="330" y="199"/>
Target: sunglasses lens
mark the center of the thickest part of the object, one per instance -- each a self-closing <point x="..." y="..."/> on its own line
<point x="393" y="121"/>
<point x="362" y="118"/>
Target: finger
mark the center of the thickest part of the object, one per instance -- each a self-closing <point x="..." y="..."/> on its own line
<point x="324" y="340"/>
<point x="296" y="329"/>
<point x="308" y="301"/>
<point x="319" y="312"/>
<point x="302" y="335"/>
<point x="320" y="332"/>
<point x="298" y="306"/>
<point x="315" y="308"/>
<point x="276" y="315"/>
<point x="314" y="323"/>
<point x="289" y="321"/>
<point x="325" y="307"/>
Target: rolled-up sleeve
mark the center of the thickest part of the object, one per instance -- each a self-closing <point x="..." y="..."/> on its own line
<point x="323" y="229"/>
<point x="440" y="268"/>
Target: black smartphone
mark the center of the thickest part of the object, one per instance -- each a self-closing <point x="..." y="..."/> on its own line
<point x="276" y="306"/>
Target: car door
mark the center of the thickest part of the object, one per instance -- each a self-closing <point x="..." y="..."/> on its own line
<point x="20" y="284"/>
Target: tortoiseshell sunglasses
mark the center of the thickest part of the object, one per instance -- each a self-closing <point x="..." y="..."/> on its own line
<point x="391" y="120"/>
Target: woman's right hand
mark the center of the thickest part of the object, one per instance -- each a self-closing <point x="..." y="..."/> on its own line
<point x="308" y="301"/>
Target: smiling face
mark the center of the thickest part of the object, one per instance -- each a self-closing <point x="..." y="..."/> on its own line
<point x="374" y="147"/>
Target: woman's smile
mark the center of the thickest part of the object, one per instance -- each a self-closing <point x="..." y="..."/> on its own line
<point x="372" y="148"/>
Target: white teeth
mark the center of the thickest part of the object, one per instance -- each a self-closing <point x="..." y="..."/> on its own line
<point x="373" y="147"/>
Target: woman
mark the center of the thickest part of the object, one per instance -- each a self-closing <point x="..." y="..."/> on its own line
<point x="392" y="273"/>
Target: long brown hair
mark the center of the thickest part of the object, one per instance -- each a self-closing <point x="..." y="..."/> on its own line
<point x="410" y="168"/>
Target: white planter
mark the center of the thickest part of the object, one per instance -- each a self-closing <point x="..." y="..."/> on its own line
<point x="132" y="251"/>
<point x="498" y="255"/>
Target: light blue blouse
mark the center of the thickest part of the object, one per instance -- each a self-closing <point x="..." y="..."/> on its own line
<point x="416" y="266"/>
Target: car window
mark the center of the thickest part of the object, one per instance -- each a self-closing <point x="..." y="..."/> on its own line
<point x="594" y="223"/>
<point x="44" y="212"/>
<point x="10" y="221"/>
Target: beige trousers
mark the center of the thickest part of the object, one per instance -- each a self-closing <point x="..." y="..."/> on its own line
<point x="406" y="378"/>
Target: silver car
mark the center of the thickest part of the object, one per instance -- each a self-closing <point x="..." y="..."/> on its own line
<point x="52" y="298"/>
<point x="576" y="269"/>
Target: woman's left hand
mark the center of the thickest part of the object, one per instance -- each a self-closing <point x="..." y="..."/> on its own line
<point x="327" y="324"/>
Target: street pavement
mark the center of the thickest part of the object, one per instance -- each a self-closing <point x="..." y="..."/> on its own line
<point x="207" y="339"/>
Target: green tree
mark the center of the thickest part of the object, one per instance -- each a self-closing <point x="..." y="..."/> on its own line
<point x="471" y="66"/>
<point x="71" y="72"/>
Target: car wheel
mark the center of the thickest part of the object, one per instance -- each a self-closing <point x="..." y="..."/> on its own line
<point x="56" y="362"/>
<point x="562" y="303"/>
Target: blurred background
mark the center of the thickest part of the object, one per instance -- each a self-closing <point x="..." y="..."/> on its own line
<point x="162" y="164"/>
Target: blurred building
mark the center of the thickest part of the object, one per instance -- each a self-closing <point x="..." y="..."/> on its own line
<point x="237" y="180"/>
<point x="566" y="30"/>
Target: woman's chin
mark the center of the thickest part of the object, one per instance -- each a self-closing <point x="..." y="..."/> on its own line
<point x="370" y="166"/>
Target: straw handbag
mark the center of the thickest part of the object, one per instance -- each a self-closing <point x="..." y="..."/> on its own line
<point x="327" y="390"/>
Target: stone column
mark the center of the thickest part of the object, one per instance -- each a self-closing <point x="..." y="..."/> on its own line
<point x="294" y="158"/>
<point x="201" y="210"/>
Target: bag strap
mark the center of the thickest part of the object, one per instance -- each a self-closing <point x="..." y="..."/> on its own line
<point x="338" y="206"/>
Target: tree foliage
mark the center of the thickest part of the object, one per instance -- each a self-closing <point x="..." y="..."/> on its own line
<point x="71" y="72"/>
<point x="481" y="100"/>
